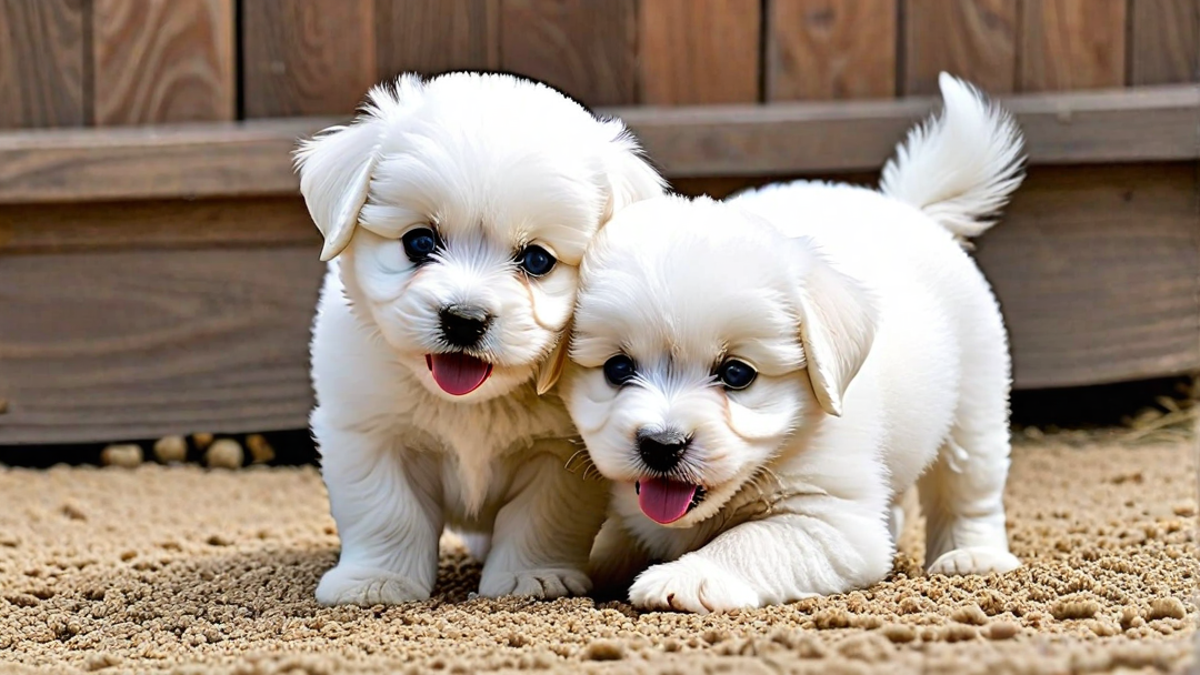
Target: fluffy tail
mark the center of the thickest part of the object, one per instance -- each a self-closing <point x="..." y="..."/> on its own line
<point x="960" y="167"/>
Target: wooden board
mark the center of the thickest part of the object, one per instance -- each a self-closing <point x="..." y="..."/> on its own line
<point x="115" y="345"/>
<point x="830" y="49"/>
<point x="1071" y="44"/>
<point x="1164" y="41"/>
<point x="699" y="51"/>
<point x="306" y="57"/>
<point x="582" y="47"/>
<point x="974" y="39"/>
<point x="434" y="36"/>
<point x="254" y="158"/>
<point x="159" y="61"/>
<point x="42" y="63"/>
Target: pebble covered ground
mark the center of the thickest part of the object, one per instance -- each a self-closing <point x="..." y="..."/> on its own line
<point x="184" y="569"/>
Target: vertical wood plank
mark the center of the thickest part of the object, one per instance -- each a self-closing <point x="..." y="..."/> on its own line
<point x="973" y="39"/>
<point x="159" y="61"/>
<point x="435" y="36"/>
<point x="1071" y="44"/>
<point x="42" y="79"/>
<point x="831" y="49"/>
<point x="699" y="51"/>
<point x="1164" y="41"/>
<point x="306" y="57"/>
<point x="583" y="47"/>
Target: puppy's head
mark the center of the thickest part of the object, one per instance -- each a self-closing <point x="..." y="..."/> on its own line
<point x="702" y="339"/>
<point x="460" y="209"/>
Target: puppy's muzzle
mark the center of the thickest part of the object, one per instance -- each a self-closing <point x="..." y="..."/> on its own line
<point x="463" y="325"/>
<point x="661" y="451"/>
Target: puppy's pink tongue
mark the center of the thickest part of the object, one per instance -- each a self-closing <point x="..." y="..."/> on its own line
<point x="458" y="374"/>
<point x="664" y="501"/>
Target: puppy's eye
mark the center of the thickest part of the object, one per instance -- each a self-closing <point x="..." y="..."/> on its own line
<point x="419" y="244"/>
<point x="619" y="369"/>
<point x="736" y="374"/>
<point x="535" y="260"/>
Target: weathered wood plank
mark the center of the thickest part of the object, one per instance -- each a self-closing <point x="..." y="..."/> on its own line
<point x="1164" y="40"/>
<point x="1071" y="44"/>
<point x="822" y="49"/>
<point x="306" y="57"/>
<point x="585" y="48"/>
<point x="42" y="79"/>
<point x="112" y="345"/>
<point x="699" y="51"/>
<point x="975" y="39"/>
<point x="158" y="61"/>
<point x="253" y="158"/>
<point x="434" y="36"/>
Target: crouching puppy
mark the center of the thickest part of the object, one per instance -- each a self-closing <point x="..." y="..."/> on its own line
<point x="455" y="213"/>
<point x="764" y="378"/>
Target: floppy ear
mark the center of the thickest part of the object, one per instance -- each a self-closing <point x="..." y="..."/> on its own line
<point x="837" y="326"/>
<point x="629" y="176"/>
<point x="552" y="367"/>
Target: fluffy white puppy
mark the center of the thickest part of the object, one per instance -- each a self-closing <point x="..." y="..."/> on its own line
<point x="764" y="378"/>
<point x="455" y="212"/>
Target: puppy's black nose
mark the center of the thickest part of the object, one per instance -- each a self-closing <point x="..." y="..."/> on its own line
<point x="463" y="325"/>
<point x="661" y="450"/>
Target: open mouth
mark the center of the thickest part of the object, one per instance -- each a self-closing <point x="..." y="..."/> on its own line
<point x="665" y="501"/>
<point x="457" y="373"/>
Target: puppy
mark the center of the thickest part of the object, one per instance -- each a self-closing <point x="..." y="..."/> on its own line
<point x="455" y="212"/>
<point x="764" y="378"/>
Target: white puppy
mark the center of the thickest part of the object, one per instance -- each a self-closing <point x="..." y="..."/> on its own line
<point x="455" y="212"/>
<point x="764" y="378"/>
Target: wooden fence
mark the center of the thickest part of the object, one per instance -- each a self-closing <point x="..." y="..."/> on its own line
<point x="158" y="271"/>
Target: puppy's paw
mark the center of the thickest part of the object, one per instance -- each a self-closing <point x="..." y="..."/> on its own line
<point x="692" y="585"/>
<point x="974" y="560"/>
<point x="547" y="583"/>
<point x="364" y="586"/>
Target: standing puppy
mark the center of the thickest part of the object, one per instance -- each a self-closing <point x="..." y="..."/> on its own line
<point x="764" y="378"/>
<point x="455" y="213"/>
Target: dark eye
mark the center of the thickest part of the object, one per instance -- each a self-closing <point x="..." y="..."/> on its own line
<point x="736" y="374"/>
<point x="535" y="260"/>
<point x="619" y="369"/>
<point x="419" y="244"/>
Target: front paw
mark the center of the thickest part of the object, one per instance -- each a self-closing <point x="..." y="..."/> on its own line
<point x="548" y="583"/>
<point x="692" y="585"/>
<point x="366" y="587"/>
<point x="974" y="560"/>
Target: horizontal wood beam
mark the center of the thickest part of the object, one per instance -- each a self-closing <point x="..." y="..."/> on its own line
<point x="253" y="158"/>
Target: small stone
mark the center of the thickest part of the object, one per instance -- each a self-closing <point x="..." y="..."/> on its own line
<point x="261" y="451"/>
<point x="128" y="455"/>
<point x="899" y="633"/>
<point x="1002" y="630"/>
<point x="224" y="454"/>
<point x="604" y="650"/>
<point x="202" y="440"/>
<point x="1185" y="510"/>
<point x="970" y="614"/>
<point x="1067" y="610"/>
<point x="169" y="449"/>
<point x="1167" y="608"/>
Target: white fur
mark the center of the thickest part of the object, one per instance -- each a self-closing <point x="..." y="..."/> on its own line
<point x="494" y="163"/>
<point x="881" y="356"/>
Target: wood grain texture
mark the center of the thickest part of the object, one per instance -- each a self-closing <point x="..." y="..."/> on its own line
<point x="1164" y="41"/>
<point x="157" y="61"/>
<point x="42" y="63"/>
<point x="1071" y="44"/>
<point x="583" y="47"/>
<point x="306" y="57"/>
<point x="435" y="36"/>
<point x="699" y="51"/>
<point x="140" y="344"/>
<point x="222" y="223"/>
<point x="973" y="39"/>
<point x="830" y="49"/>
<point x="1095" y="269"/>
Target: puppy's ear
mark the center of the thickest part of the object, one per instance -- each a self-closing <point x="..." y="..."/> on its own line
<point x="552" y="367"/>
<point x="336" y="165"/>
<point x="837" y="325"/>
<point x="629" y="176"/>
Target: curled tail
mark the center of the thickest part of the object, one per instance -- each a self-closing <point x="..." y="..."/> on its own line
<point x="959" y="167"/>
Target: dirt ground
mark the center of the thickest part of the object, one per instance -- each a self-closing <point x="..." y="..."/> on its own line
<point x="186" y="570"/>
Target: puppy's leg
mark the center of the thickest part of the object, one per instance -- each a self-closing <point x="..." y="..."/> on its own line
<point x="545" y="530"/>
<point x="387" y="507"/>
<point x="827" y="545"/>
<point x="617" y="558"/>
